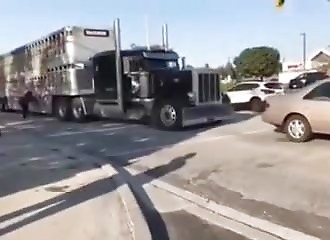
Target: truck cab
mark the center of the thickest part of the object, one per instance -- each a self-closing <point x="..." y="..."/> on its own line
<point x="151" y="85"/>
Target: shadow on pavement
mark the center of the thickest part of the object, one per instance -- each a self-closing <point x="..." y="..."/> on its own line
<point x="98" y="188"/>
<point x="31" y="174"/>
<point x="123" y="145"/>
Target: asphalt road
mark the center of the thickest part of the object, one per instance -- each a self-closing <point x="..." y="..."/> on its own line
<point x="255" y="184"/>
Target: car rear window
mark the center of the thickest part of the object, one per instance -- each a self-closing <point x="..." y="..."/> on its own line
<point x="274" y="85"/>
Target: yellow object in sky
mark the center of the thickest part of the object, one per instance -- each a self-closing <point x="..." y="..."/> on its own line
<point x="280" y="3"/>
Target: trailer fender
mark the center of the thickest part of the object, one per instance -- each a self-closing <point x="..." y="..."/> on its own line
<point x="87" y="104"/>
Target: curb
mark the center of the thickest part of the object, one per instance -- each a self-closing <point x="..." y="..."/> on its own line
<point x="227" y="212"/>
<point x="136" y="222"/>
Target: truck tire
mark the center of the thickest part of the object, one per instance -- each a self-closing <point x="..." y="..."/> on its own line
<point x="78" y="112"/>
<point x="256" y="105"/>
<point x="225" y="98"/>
<point x="167" y="115"/>
<point x="4" y="104"/>
<point x="63" y="109"/>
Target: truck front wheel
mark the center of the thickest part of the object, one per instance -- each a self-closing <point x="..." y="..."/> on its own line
<point x="167" y="115"/>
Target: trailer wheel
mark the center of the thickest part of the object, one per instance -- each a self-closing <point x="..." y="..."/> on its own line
<point x="63" y="109"/>
<point x="78" y="112"/>
<point x="167" y="115"/>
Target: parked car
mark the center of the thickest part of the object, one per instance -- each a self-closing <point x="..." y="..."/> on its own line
<point x="301" y="113"/>
<point x="253" y="93"/>
<point x="306" y="79"/>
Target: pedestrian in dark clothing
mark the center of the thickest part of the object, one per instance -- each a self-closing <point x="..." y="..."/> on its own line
<point x="24" y="103"/>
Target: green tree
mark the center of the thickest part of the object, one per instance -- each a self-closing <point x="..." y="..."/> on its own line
<point x="227" y="70"/>
<point x="258" y="62"/>
<point x="230" y="70"/>
<point x="222" y="72"/>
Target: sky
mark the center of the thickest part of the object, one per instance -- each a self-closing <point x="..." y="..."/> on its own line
<point x="204" y="31"/>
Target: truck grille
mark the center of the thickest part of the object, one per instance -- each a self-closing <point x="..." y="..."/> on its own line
<point x="209" y="87"/>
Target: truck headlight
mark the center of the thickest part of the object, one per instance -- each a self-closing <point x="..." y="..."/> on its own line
<point x="192" y="96"/>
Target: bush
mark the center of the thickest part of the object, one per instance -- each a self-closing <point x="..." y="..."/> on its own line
<point x="225" y="86"/>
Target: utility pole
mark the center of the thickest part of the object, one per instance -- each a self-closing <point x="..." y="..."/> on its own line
<point x="146" y="26"/>
<point x="146" y="22"/>
<point x="304" y="49"/>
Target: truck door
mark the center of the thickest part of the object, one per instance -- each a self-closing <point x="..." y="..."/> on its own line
<point x="105" y="83"/>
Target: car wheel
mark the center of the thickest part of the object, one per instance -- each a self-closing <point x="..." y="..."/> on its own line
<point x="256" y="105"/>
<point x="298" y="129"/>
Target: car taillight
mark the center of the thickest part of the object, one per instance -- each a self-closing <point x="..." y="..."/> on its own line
<point x="266" y="91"/>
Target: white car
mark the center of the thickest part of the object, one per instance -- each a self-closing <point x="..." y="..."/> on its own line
<point x="253" y="93"/>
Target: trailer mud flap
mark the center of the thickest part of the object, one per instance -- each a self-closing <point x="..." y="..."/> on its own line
<point x="206" y="114"/>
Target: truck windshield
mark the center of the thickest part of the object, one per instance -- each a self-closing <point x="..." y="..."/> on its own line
<point x="161" y="64"/>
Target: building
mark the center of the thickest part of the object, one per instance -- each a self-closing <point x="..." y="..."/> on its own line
<point x="320" y="58"/>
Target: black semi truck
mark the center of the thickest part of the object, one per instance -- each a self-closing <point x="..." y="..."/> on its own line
<point x="85" y="72"/>
<point x="150" y="84"/>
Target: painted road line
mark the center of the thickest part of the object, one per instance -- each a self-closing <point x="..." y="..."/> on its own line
<point x="135" y="220"/>
<point x="4" y="149"/>
<point x="184" y="143"/>
<point x="230" y="213"/>
<point x="214" y="138"/>
<point x="70" y="133"/>
<point x="10" y="124"/>
<point x="22" y="217"/>
<point x="229" y="224"/>
<point x="169" y="203"/>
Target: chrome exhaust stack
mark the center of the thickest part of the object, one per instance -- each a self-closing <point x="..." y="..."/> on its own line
<point x="165" y="37"/>
<point x="183" y="63"/>
<point x="118" y="65"/>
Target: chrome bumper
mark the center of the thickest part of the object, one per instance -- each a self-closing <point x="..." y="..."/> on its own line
<point x="206" y="114"/>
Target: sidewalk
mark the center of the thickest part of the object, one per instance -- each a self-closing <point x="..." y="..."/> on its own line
<point x="51" y="194"/>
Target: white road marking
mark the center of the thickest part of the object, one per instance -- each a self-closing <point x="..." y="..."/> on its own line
<point x="69" y="133"/>
<point x="187" y="142"/>
<point x="4" y="149"/>
<point x="18" y="123"/>
<point x="111" y="124"/>
<point x="141" y="139"/>
<point x="230" y="213"/>
<point x="81" y="144"/>
<point x="257" y="131"/>
<point x="28" y="214"/>
<point x="231" y="225"/>
<point x="49" y="119"/>
<point x="23" y="127"/>
<point x="215" y="138"/>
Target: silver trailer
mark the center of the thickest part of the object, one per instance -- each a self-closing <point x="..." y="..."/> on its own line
<point x="52" y="67"/>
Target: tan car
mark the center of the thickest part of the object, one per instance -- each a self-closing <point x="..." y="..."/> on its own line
<point x="301" y="113"/>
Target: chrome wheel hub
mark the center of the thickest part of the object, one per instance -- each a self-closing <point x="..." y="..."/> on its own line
<point x="61" y="111"/>
<point x="296" y="129"/>
<point x="168" y="115"/>
<point x="77" y="111"/>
